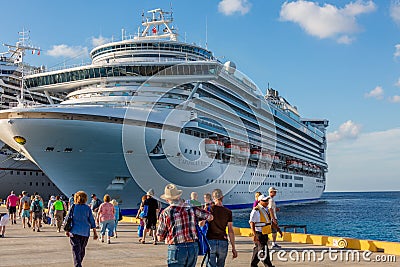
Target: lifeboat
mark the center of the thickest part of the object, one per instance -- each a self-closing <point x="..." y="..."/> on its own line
<point x="299" y="165"/>
<point x="276" y="159"/>
<point x="220" y="146"/>
<point x="292" y="164"/>
<point x="314" y="168"/>
<point x="255" y="154"/>
<point x="305" y="166"/>
<point x="244" y="152"/>
<point x="265" y="157"/>
<point x="211" y="145"/>
<point x="232" y="150"/>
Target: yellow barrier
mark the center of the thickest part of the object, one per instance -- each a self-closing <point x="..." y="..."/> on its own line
<point x="392" y="248"/>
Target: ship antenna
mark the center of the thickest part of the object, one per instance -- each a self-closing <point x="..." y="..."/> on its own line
<point x="19" y="50"/>
<point x="206" y="33"/>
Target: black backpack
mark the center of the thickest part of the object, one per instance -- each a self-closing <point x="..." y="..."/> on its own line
<point x="36" y="206"/>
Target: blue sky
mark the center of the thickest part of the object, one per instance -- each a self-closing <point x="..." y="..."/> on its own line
<point x="337" y="59"/>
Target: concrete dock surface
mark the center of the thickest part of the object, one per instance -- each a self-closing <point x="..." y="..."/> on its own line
<point x="23" y="247"/>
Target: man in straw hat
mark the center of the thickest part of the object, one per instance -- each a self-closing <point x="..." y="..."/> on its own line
<point x="177" y="227"/>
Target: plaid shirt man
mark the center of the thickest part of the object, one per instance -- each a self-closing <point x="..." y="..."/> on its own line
<point x="177" y="223"/>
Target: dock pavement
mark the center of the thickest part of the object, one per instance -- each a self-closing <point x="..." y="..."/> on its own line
<point x="23" y="247"/>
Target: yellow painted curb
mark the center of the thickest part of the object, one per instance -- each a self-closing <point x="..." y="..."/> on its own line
<point x="392" y="248"/>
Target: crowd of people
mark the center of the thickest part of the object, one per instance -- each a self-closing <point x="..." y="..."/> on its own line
<point x="179" y="225"/>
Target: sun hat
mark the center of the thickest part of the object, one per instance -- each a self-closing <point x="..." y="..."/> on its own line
<point x="150" y="192"/>
<point x="171" y="192"/>
<point x="272" y="189"/>
<point x="262" y="198"/>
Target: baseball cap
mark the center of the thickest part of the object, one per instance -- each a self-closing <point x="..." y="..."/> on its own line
<point x="263" y="198"/>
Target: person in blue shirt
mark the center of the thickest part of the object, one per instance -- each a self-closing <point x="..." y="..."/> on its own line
<point x="116" y="215"/>
<point x="82" y="222"/>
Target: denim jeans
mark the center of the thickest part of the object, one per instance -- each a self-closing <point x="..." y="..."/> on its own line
<point x="184" y="254"/>
<point x="218" y="253"/>
<point x="107" y="226"/>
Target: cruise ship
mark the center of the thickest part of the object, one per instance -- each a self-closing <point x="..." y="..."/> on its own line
<point x="151" y="110"/>
<point x="16" y="172"/>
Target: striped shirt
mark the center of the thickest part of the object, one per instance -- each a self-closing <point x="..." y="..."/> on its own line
<point x="177" y="223"/>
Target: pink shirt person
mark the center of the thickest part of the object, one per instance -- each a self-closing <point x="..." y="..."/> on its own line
<point x="12" y="200"/>
<point x="106" y="212"/>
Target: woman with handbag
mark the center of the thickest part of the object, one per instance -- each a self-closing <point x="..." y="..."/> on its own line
<point x="81" y="223"/>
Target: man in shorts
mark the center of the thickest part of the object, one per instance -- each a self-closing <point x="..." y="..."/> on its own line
<point x="152" y="214"/>
<point x="37" y="213"/>
<point x="25" y="209"/>
<point x="272" y="209"/>
<point x="11" y="204"/>
<point x="3" y="222"/>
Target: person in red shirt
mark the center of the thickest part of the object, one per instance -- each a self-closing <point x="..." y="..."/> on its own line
<point x="11" y="204"/>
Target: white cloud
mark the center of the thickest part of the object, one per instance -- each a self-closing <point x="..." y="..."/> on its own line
<point x="326" y="21"/>
<point x="348" y="130"/>
<point x="397" y="52"/>
<point x="229" y="7"/>
<point x="395" y="99"/>
<point x="366" y="163"/>
<point x="96" y="41"/>
<point x="64" y="50"/>
<point x="377" y="93"/>
<point x="395" y="11"/>
<point x="345" y="40"/>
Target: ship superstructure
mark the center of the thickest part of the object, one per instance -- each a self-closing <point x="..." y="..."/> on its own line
<point x="16" y="172"/>
<point x="151" y="110"/>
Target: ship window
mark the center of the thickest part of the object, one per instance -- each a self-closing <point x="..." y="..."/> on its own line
<point x="48" y="184"/>
<point x="17" y="173"/>
<point x="186" y="150"/>
<point x="11" y="172"/>
<point x="30" y="173"/>
<point x="48" y="149"/>
<point x="30" y="183"/>
<point x="42" y="184"/>
<point x="24" y="173"/>
<point x="190" y="151"/>
<point x="37" y="174"/>
<point x="37" y="184"/>
<point x="195" y="152"/>
<point x="68" y="149"/>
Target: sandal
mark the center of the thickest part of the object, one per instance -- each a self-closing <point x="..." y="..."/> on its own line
<point x="143" y="242"/>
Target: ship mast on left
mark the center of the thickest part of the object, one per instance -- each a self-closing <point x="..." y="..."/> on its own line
<point x="18" y="52"/>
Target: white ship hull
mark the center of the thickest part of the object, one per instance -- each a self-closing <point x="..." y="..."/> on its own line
<point x="94" y="157"/>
